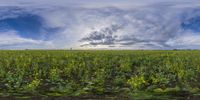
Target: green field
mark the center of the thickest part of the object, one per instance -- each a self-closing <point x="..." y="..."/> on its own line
<point x="100" y="74"/>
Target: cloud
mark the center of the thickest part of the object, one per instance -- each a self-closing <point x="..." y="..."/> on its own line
<point x="135" y="27"/>
<point x="151" y="27"/>
<point x="189" y="39"/>
<point x="10" y="39"/>
<point x="104" y="36"/>
<point x="120" y="25"/>
<point x="90" y="3"/>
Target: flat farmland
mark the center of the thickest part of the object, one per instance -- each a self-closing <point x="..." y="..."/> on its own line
<point x="103" y="74"/>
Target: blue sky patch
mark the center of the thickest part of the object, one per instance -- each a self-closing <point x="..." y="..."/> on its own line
<point x="192" y="24"/>
<point x="27" y="25"/>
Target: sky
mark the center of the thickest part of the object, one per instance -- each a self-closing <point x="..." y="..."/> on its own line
<point x="100" y="24"/>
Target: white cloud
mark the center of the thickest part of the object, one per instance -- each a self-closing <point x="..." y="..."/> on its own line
<point x="147" y="25"/>
<point x="185" y="40"/>
<point x="11" y="39"/>
<point x="89" y="3"/>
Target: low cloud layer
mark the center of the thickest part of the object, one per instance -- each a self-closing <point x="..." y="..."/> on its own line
<point x="10" y="40"/>
<point x="158" y="25"/>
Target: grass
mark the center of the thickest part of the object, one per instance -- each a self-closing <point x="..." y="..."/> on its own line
<point x="99" y="73"/>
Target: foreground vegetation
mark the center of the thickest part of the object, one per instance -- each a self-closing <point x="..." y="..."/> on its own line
<point x="115" y="74"/>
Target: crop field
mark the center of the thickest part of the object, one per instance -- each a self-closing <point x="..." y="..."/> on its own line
<point x="44" y="74"/>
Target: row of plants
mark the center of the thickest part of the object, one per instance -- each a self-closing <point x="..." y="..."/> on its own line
<point x="75" y="73"/>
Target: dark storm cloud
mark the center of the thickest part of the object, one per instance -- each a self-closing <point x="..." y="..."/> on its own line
<point x="105" y="36"/>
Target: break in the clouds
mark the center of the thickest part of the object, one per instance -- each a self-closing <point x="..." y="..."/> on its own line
<point x="95" y="24"/>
